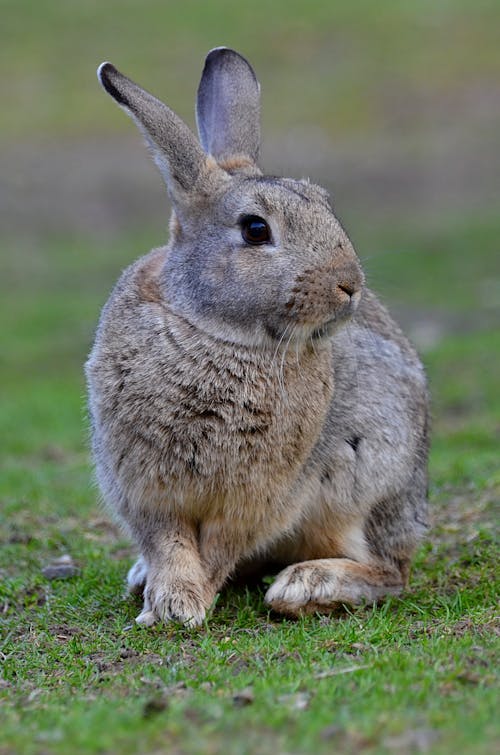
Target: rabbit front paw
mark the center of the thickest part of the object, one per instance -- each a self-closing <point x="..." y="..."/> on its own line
<point x="181" y="601"/>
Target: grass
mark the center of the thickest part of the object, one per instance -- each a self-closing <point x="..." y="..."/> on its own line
<point x="78" y="672"/>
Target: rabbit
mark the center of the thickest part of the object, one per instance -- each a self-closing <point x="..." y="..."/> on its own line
<point x="251" y="401"/>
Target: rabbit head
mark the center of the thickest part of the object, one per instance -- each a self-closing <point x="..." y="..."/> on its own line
<point x="252" y="257"/>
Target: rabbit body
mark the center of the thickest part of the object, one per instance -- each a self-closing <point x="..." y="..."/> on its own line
<point x="253" y="402"/>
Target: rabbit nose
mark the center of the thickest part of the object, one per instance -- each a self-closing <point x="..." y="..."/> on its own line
<point x="349" y="291"/>
<point x="347" y="288"/>
<point x="346" y="270"/>
<point x="321" y="293"/>
<point x="348" y="281"/>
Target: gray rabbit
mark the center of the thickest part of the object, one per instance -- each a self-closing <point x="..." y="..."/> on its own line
<point x="251" y="400"/>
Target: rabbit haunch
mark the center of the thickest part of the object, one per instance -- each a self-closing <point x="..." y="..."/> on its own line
<point x="252" y="402"/>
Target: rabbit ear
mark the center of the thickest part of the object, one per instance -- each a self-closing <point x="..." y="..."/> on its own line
<point x="228" y="106"/>
<point x="175" y="148"/>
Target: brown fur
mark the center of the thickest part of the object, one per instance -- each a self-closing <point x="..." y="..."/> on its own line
<point x="148" y="283"/>
<point x="237" y="163"/>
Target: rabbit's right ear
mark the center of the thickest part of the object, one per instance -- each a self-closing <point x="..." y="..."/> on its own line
<point x="175" y="148"/>
<point x="228" y="107"/>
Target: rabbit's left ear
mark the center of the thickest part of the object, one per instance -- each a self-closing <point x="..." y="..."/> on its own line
<point x="175" y="148"/>
<point x="228" y="107"/>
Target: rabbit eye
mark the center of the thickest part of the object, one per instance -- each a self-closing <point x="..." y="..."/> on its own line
<point x="255" y="230"/>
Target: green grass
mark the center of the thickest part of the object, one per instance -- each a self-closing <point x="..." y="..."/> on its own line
<point x="450" y="269"/>
<point x="77" y="671"/>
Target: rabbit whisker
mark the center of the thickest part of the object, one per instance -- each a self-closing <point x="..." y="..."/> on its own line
<point x="283" y="360"/>
<point x="273" y="360"/>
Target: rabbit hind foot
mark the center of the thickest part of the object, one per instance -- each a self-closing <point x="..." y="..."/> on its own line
<point x="322" y="585"/>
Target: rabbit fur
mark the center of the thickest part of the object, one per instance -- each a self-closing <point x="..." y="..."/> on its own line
<point x="252" y="402"/>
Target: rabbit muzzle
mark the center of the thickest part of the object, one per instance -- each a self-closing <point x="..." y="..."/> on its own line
<point x="325" y="295"/>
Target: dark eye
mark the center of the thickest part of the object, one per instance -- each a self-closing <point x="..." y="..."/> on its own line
<point x="255" y="230"/>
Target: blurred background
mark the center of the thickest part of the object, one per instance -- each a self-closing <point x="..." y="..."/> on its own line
<point x="393" y="106"/>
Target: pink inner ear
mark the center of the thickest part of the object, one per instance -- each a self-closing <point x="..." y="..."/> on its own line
<point x="228" y="107"/>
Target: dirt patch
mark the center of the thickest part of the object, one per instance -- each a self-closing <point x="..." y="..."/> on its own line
<point x="460" y="628"/>
<point x="457" y="514"/>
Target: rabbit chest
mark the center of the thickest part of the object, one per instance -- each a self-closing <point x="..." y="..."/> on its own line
<point x="205" y="424"/>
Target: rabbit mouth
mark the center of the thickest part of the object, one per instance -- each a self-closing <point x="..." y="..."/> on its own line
<point x="302" y="332"/>
<point x="301" y="329"/>
<point x="327" y="328"/>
